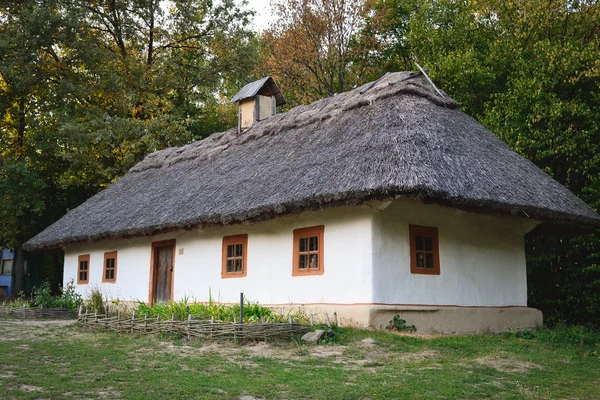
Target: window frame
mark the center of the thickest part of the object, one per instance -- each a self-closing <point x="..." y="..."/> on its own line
<point x="83" y="257"/>
<point x="3" y="268"/>
<point x="431" y="231"/>
<point x="302" y="233"/>
<point x="230" y="241"/>
<point x="108" y="255"/>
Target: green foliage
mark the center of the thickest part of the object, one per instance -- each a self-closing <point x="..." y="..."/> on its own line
<point x="67" y="299"/>
<point x="96" y="302"/>
<point x="563" y="335"/>
<point x="87" y="89"/>
<point x="253" y="312"/>
<point x="399" y="324"/>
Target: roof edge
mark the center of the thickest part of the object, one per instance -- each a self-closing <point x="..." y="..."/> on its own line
<point x="550" y="222"/>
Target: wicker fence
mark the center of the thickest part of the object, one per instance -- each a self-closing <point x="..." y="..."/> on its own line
<point x="193" y="329"/>
<point x="37" y="313"/>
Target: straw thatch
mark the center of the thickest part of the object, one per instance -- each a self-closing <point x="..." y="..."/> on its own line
<point x="398" y="138"/>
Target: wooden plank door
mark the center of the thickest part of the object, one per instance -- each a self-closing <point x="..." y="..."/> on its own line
<point x="163" y="272"/>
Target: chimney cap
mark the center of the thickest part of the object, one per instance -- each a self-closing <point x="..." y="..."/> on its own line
<point x="264" y="86"/>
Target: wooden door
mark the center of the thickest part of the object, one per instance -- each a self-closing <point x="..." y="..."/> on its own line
<point x="163" y="273"/>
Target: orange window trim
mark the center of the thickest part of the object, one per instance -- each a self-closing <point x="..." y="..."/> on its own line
<point x="83" y="258"/>
<point x="427" y="231"/>
<point x="107" y="256"/>
<point x="303" y="233"/>
<point x="233" y="240"/>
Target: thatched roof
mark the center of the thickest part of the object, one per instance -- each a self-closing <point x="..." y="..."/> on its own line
<point x="399" y="138"/>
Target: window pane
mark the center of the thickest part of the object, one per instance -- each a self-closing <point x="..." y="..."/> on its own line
<point x="428" y="243"/>
<point x="314" y="261"/>
<point x="230" y="251"/>
<point x="303" y="264"/>
<point x="238" y="250"/>
<point x="314" y="243"/>
<point x="107" y="274"/>
<point x="429" y="260"/>
<point x="303" y="245"/>
<point x="419" y="242"/>
<point x="420" y="260"/>
<point x="238" y="265"/>
<point x="230" y="265"/>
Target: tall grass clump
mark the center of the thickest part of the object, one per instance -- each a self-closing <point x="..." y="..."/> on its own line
<point x="96" y="302"/>
<point x="253" y="312"/>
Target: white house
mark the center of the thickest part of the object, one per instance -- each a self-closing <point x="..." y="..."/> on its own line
<point x="380" y="201"/>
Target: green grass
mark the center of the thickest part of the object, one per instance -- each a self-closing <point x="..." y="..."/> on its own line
<point x="54" y="361"/>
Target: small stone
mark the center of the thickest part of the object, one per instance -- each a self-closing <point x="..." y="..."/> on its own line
<point x="314" y="337"/>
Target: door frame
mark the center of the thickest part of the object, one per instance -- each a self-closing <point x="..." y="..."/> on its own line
<point x="151" y="287"/>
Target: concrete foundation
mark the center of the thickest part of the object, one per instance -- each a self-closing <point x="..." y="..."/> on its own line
<point x="427" y="319"/>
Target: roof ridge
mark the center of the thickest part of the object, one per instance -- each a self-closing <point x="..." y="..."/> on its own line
<point x="389" y="85"/>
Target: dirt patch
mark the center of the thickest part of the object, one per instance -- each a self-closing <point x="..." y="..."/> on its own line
<point x="420" y="356"/>
<point x="30" y="388"/>
<point x="32" y="330"/>
<point x="502" y="364"/>
<point x="367" y="342"/>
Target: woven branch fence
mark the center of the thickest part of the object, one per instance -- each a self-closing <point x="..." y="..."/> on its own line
<point x="193" y="329"/>
<point x="37" y="313"/>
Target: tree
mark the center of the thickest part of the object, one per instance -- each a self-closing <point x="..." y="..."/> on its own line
<point x="307" y="48"/>
<point x="88" y="88"/>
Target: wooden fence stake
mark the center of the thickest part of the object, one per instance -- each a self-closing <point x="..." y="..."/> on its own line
<point x="188" y="326"/>
<point x="335" y="318"/>
<point x="241" y="308"/>
<point x="328" y="322"/>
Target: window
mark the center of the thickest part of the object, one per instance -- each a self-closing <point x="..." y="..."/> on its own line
<point x="424" y="252"/>
<point x="235" y="250"/>
<point x="6" y="267"/>
<point x="110" y="267"/>
<point x="83" y="269"/>
<point x="308" y="251"/>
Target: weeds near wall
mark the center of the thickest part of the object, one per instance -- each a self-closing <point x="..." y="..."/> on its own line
<point x="180" y="310"/>
<point x="399" y="324"/>
<point x="96" y="302"/>
<point x="67" y="299"/>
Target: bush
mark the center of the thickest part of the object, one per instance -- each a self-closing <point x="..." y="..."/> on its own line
<point x="67" y="299"/>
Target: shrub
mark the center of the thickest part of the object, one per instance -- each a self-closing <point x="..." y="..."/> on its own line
<point x="68" y="297"/>
<point x="399" y="324"/>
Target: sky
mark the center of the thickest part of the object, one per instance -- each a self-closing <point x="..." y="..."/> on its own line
<point x="263" y="13"/>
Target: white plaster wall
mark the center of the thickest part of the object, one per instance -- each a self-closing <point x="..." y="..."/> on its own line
<point x="348" y="255"/>
<point x="482" y="258"/>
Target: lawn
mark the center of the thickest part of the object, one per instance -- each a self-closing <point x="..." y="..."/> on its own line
<point x="49" y="361"/>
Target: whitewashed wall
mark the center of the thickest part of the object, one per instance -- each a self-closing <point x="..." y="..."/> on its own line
<point x="482" y="258"/>
<point x="367" y="260"/>
<point x="269" y="280"/>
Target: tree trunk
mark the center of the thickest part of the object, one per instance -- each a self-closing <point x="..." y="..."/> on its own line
<point x="19" y="266"/>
